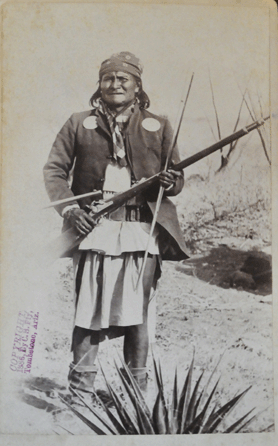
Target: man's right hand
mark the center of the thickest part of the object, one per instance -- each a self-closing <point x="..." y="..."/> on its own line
<point x="80" y="220"/>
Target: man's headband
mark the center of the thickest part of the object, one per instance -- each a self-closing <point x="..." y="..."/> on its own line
<point x="123" y="61"/>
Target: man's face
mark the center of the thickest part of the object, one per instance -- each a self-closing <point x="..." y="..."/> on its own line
<point x="118" y="88"/>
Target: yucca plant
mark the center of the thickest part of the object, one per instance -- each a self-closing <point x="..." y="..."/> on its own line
<point x="190" y="411"/>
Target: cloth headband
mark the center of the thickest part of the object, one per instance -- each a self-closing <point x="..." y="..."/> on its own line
<point x="123" y="61"/>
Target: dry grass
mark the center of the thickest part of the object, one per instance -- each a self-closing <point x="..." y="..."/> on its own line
<point x="237" y="202"/>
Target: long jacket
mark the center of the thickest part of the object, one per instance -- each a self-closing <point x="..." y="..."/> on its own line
<point x="86" y="150"/>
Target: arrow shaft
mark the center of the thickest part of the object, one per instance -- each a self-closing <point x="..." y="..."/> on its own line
<point x="95" y="194"/>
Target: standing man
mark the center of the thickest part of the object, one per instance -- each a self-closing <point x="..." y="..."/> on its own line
<point x="109" y="148"/>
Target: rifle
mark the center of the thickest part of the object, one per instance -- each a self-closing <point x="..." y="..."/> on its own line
<point x="72" y="238"/>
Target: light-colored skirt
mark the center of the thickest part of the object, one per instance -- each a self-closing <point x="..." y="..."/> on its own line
<point x="105" y="292"/>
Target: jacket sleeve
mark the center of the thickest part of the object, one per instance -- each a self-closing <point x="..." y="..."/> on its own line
<point x="59" y="164"/>
<point x="167" y="140"/>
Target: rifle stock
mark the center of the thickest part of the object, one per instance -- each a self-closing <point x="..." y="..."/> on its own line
<point x="69" y="239"/>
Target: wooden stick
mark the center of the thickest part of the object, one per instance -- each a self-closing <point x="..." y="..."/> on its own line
<point x="95" y="194"/>
<point x="162" y="189"/>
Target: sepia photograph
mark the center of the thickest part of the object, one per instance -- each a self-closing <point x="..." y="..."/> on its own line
<point x="138" y="155"/>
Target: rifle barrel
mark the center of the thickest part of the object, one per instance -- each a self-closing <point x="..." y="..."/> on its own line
<point x="218" y="145"/>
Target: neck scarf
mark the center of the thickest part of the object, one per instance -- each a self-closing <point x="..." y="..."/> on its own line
<point x="117" y="123"/>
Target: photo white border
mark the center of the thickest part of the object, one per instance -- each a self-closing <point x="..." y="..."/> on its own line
<point x="196" y="440"/>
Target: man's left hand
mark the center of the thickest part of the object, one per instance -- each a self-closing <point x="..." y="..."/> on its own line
<point x="168" y="179"/>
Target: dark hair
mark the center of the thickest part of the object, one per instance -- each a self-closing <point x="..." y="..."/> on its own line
<point x="142" y="97"/>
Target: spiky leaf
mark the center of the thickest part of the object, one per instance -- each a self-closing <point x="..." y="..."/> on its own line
<point x="174" y="406"/>
<point x="159" y="416"/>
<point x="130" y="425"/>
<point x="196" y="425"/>
<point x="184" y="398"/>
<point x="161" y="400"/>
<point x="85" y="420"/>
<point x="192" y="405"/>
<point x="157" y="375"/>
<point x="96" y="414"/>
<point x="197" y="405"/>
<point x="134" y="386"/>
<point x="143" y="421"/>
<point x="133" y="416"/>
<point x="222" y="412"/>
<point x="117" y="425"/>
<point x="234" y="426"/>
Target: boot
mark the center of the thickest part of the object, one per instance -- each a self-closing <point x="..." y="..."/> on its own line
<point x="82" y="377"/>
<point x="141" y="377"/>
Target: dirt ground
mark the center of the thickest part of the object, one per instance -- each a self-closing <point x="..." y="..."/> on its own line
<point x="202" y="310"/>
<point x="193" y="315"/>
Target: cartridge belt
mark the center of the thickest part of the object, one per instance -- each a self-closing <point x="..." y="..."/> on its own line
<point x="140" y="213"/>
